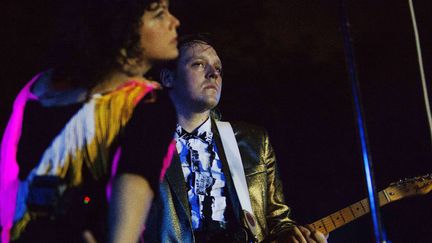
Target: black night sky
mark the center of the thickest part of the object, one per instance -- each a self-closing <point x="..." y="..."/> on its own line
<point x="285" y="69"/>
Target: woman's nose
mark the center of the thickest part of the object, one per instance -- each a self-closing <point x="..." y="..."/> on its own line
<point x="175" y="21"/>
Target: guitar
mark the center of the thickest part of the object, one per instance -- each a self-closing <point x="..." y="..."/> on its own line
<point x="404" y="188"/>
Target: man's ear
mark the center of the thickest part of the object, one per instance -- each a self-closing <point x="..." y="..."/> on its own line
<point x="167" y="78"/>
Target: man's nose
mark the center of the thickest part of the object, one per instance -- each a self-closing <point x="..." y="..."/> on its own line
<point x="212" y="72"/>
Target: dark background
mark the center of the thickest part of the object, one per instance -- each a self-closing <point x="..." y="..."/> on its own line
<point x="285" y="69"/>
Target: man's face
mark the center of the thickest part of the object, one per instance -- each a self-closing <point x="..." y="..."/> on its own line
<point x="197" y="82"/>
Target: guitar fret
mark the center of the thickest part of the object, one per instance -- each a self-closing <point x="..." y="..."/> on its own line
<point x="358" y="209"/>
<point x="347" y="214"/>
<point x="384" y="198"/>
<point x="333" y="222"/>
<point x="342" y="216"/>
<point x="352" y="212"/>
<point x="330" y="226"/>
<point x="319" y="226"/>
<point x="365" y="204"/>
<point x="325" y="227"/>
<point x="337" y="219"/>
<point x="364" y="209"/>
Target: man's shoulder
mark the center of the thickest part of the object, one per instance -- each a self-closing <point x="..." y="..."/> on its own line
<point x="243" y="128"/>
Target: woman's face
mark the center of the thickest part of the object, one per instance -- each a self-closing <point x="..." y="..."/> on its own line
<point x="159" y="33"/>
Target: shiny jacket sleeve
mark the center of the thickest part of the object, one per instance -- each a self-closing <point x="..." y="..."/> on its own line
<point x="277" y="216"/>
<point x="264" y="184"/>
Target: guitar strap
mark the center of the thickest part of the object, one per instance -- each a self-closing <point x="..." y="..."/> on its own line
<point x="235" y="165"/>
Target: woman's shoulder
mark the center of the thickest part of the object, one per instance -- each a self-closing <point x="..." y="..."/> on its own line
<point x="52" y="93"/>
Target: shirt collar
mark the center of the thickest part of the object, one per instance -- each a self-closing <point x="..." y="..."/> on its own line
<point x="204" y="128"/>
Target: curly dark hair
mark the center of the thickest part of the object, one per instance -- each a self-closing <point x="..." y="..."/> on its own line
<point x="90" y="35"/>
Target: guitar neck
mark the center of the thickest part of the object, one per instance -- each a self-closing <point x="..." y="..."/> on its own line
<point x="348" y="214"/>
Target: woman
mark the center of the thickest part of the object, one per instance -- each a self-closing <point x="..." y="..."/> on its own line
<point x="68" y="123"/>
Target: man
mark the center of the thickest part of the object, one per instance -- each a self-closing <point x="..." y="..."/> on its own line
<point x="200" y="199"/>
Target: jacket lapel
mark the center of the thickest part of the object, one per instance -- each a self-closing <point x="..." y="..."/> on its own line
<point x="177" y="183"/>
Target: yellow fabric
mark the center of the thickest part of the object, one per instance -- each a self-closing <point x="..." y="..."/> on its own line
<point x="112" y="112"/>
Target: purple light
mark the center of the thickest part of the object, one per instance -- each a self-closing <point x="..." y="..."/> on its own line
<point x="9" y="168"/>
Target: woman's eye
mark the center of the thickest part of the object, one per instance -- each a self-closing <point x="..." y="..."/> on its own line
<point x="160" y="14"/>
<point x="161" y="11"/>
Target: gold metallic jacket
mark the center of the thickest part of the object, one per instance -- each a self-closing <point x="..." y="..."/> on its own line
<point x="169" y="219"/>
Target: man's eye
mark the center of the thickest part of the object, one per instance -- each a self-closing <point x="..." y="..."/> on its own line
<point x="198" y="64"/>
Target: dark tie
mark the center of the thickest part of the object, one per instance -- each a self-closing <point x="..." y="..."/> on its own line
<point x="186" y="136"/>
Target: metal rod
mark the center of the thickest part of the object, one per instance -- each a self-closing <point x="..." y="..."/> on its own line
<point x="361" y="126"/>
<point x="421" y="69"/>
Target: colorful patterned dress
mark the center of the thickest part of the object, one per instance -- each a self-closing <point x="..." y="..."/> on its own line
<point x="84" y="146"/>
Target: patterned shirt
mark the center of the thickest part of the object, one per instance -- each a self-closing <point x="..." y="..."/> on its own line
<point x="202" y="170"/>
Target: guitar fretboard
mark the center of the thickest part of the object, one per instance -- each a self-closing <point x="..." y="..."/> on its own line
<point x="346" y="215"/>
